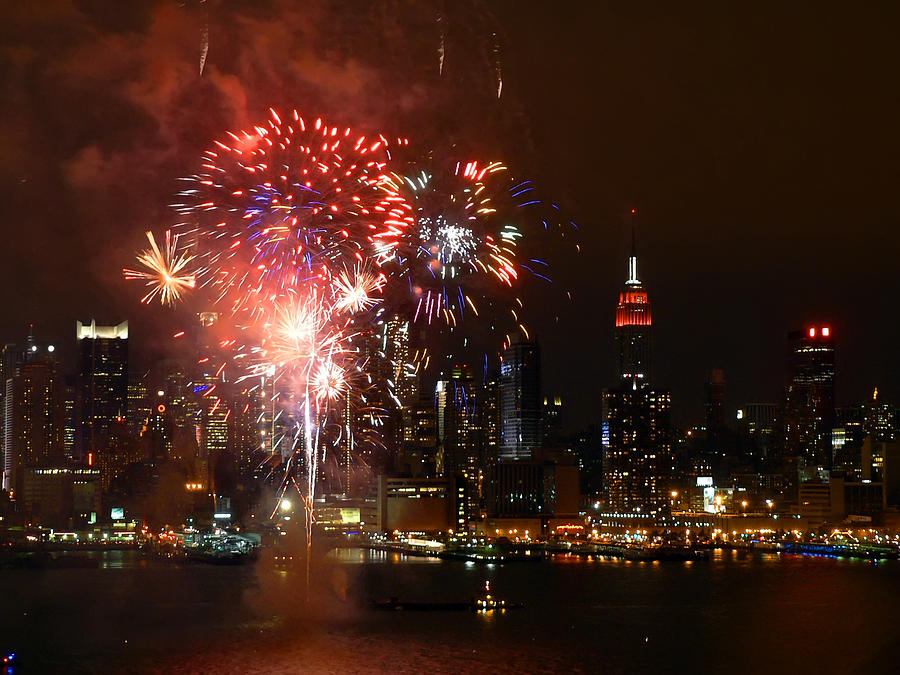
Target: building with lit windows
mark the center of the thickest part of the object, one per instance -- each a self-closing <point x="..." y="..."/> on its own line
<point x="757" y="421"/>
<point x="636" y="434"/>
<point x="33" y="416"/>
<point x="809" y="414"/>
<point x="635" y="423"/>
<point x="102" y="382"/>
<point x="633" y="326"/>
<point x="520" y="401"/>
<point x="462" y="436"/>
<point x="427" y="505"/>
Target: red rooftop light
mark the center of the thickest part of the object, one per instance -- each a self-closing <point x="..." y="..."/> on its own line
<point x="812" y="332"/>
<point x="826" y="331"/>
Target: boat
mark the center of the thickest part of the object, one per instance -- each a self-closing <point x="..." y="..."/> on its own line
<point x="484" y="602"/>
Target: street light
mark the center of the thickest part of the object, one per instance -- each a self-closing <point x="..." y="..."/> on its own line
<point x="285" y="505"/>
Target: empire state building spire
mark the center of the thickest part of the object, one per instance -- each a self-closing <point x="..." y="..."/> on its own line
<point x="633" y="279"/>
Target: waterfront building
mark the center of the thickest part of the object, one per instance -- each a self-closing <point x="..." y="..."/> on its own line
<point x="426" y="505"/>
<point x="543" y="487"/>
<point x="636" y="436"/>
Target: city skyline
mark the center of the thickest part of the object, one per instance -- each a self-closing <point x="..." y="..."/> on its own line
<point x="449" y="335"/>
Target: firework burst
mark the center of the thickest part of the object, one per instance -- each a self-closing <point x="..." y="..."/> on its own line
<point x="464" y="242"/>
<point x="289" y="203"/>
<point x="165" y="273"/>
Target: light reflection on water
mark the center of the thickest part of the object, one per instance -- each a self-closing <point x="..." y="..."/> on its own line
<point x="578" y="612"/>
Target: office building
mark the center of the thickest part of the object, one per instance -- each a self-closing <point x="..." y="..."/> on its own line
<point x="462" y="436"/>
<point x="102" y="381"/>
<point x="636" y="436"/>
<point x="520" y="401"/>
<point x="809" y="414"/>
<point x="635" y="424"/>
<point x="33" y="415"/>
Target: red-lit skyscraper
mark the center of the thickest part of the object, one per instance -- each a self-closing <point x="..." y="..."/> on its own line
<point x="633" y="324"/>
<point x="635" y="419"/>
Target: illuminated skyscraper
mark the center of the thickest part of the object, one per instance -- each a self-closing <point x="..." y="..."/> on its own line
<point x="636" y="430"/>
<point x="490" y="417"/>
<point x="809" y="414"/>
<point x="462" y="436"/>
<point x="636" y="433"/>
<point x="102" y="381"/>
<point x="34" y="415"/>
<point x="520" y="401"/>
<point x="633" y="323"/>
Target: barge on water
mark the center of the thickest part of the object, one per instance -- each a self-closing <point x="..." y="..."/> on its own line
<point x="483" y="602"/>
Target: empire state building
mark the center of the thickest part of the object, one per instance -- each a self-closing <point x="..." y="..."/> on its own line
<point x="635" y="420"/>
<point x="633" y="322"/>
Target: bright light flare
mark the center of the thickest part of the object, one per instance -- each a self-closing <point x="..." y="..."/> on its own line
<point x="166" y="271"/>
<point x="355" y="290"/>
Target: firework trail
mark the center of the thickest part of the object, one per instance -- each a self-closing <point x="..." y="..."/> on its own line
<point x="204" y="45"/>
<point x="440" y="23"/>
<point x="498" y="69"/>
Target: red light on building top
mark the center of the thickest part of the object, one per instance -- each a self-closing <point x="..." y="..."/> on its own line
<point x="633" y="309"/>
<point x="812" y="332"/>
<point x="826" y="331"/>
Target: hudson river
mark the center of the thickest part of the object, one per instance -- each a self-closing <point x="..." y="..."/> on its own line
<point x="737" y="613"/>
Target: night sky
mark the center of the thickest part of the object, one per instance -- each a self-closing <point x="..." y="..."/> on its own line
<point x="759" y="143"/>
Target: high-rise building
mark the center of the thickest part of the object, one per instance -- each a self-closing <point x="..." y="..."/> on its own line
<point x="138" y="403"/>
<point x="636" y="429"/>
<point x="636" y="434"/>
<point x="715" y="400"/>
<point x="880" y="419"/>
<point x="552" y="421"/>
<point x="462" y="437"/>
<point x="490" y="417"/>
<point x="419" y="450"/>
<point x="757" y="421"/>
<point x="10" y="362"/>
<point x="102" y="380"/>
<point x="633" y="326"/>
<point x="809" y="414"/>
<point x="34" y="415"/>
<point x="520" y="401"/>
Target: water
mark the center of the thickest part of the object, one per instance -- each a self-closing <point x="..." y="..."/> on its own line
<point x="737" y="613"/>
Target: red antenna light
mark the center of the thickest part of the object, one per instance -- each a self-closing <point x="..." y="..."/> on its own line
<point x="812" y="332"/>
<point x="826" y="331"/>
